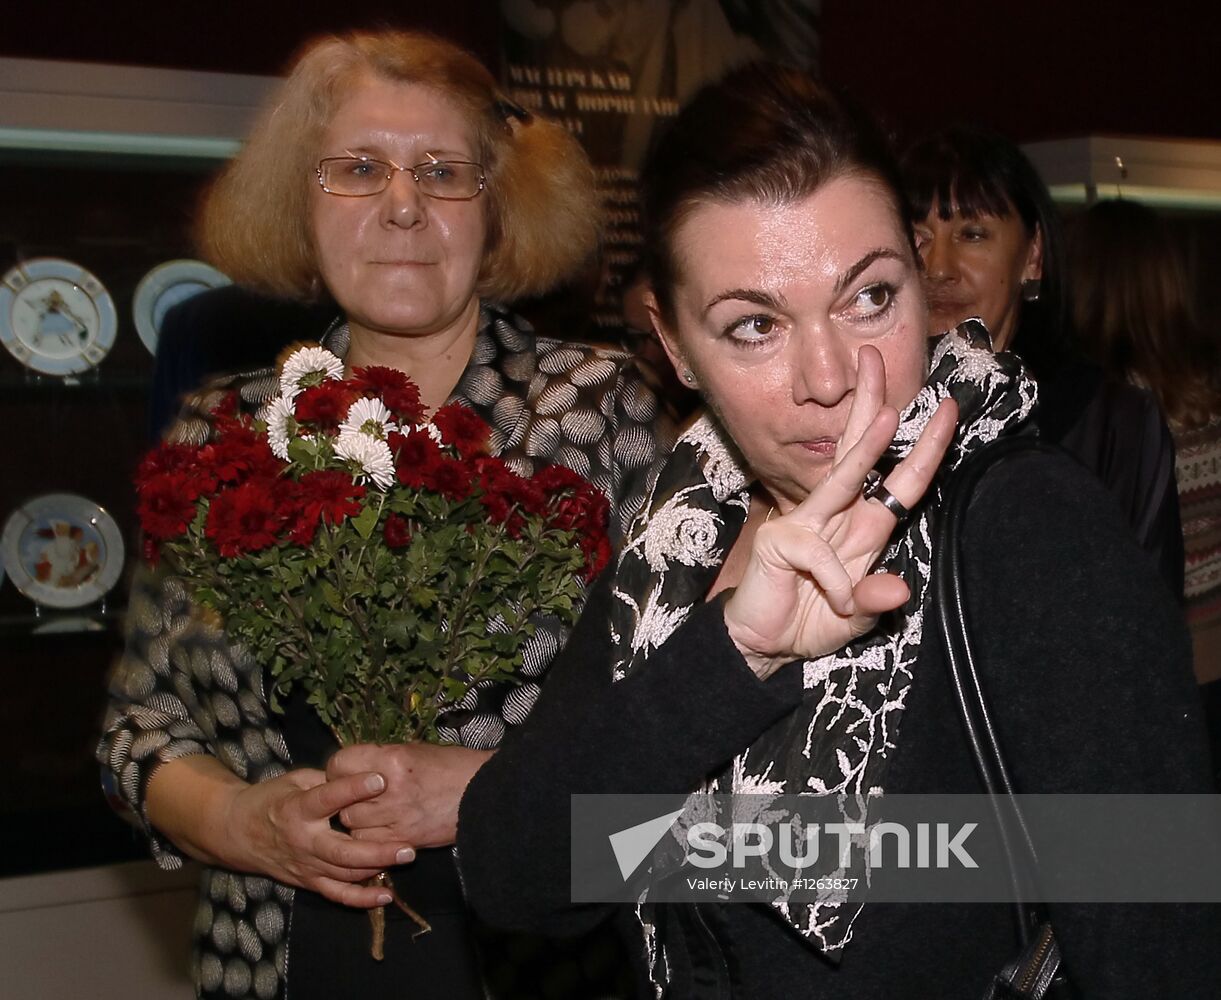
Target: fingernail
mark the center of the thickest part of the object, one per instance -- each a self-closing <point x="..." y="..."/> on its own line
<point x="405" y="856"/>
<point x="385" y="899"/>
<point x="375" y="783"/>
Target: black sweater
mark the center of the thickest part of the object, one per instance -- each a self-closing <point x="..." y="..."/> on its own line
<point x="1088" y="670"/>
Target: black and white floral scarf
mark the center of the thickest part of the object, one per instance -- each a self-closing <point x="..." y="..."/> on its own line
<point x="839" y="740"/>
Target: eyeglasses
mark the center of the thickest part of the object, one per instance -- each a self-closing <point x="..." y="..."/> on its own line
<point x="361" y="176"/>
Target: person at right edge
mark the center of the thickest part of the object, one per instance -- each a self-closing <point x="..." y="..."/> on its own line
<point x="769" y="625"/>
<point x="991" y="245"/>
<point x="1132" y="306"/>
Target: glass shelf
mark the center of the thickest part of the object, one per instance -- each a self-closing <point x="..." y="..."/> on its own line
<point x="75" y="621"/>
<point x="62" y="112"/>
<point x="98" y="379"/>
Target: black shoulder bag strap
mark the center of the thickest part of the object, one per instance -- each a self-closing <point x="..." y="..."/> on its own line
<point x="1035" y="974"/>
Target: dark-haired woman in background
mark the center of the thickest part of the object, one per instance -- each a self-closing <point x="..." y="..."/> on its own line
<point x="1132" y="309"/>
<point x="991" y="244"/>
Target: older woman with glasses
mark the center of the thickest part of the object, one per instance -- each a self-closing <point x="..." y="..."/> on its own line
<point x="390" y="175"/>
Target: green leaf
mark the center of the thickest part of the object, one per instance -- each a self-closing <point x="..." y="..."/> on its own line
<point x="302" y="452"/>
<point x="365" y="521"/>
<point x="331" y="595"/>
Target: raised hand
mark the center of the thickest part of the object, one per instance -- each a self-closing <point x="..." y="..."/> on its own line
<point x="807" y="590"/>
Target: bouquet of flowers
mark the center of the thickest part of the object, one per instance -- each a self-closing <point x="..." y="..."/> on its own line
<point x="384" y="564"/>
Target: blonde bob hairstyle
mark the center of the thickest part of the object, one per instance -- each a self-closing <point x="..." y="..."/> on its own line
<point x="255" y="219"/>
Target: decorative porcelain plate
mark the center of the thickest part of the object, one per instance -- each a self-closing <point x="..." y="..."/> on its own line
<point x="163" y="288"/>
<point x="56" y="317"/>
<point x="62" y="550"/>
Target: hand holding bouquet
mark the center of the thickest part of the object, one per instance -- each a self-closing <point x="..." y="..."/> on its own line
<point x="385" y="565"/>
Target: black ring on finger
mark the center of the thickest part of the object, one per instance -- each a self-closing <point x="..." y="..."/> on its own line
<point x="872" y="489"/>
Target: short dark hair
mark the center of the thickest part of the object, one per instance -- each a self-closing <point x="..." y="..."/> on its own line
<point x="762" y="132"/>
<point x="977" y="172"/>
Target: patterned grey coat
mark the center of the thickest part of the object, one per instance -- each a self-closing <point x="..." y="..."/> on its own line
<point x="182" y="688"/>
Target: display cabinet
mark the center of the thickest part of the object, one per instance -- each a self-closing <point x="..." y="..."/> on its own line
<point x="101" y="168"/>
<point x="1180" y="178"/>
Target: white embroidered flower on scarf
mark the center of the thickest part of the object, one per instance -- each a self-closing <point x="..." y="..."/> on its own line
<point x="656" y="623"/>
<point x="678" y="533"/>
<point x="722" y="467"/>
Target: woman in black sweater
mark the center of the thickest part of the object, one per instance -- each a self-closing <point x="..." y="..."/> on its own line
<point x="990" y="242"/>
<point x="743" y="641"/>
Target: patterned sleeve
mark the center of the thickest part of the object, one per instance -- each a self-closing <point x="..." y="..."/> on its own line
<point x="643" y="434"/>
<point x="146" y="722"/>
<point x="595" y="414"/>
<point x="182" y="689"/>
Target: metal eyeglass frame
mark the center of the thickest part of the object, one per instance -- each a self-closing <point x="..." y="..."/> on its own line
<point x="394" y="166"/>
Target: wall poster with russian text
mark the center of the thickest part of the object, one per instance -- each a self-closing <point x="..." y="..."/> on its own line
<point x="613" y="71"/>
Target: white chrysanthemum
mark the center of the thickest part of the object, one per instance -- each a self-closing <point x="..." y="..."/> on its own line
<point x="373" y="456"/>
<point x="369" y="417"/>
<point x="428" y="428"/>
<point x="281" y="425"/>
<point x="306" y="367"/>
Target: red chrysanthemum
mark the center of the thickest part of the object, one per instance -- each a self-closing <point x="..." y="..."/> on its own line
<point x="497" y="505"/>
<point x="237" y="454"/>
<point x="228" y="419"/>
<point x="597" y="555"/>
<point x="505" y="495"/>
<point x="397" y="531"/>
<point x="494" y="478"/>
<point x="392" y="387"/>
<point x="174" y="458"/>
<point x="166" y="506"/>
<point x="582" y="509"/>
<point x="324" y="406"/>
<point x="493" y="474"/>
<point x="246" y="518"/>
<point x="415" y="456"/>
<point x="462" y="429"/>
<point x="527" y="494"/>
<point x="557" y="478"/>
<point x="326" y="495"/>
<point x="450" y="478"/>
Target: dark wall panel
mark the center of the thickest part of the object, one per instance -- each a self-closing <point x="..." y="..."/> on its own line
<point x="1039" y="69"/>
<point x="259" y="36"/>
